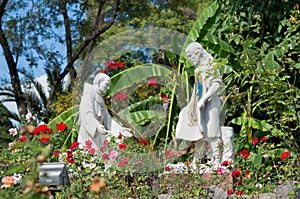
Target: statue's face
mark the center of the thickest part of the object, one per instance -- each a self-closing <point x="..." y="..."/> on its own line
<point x="194" y="55"/>
<point x="197" y="55"/>
<point x="104" y="86"/>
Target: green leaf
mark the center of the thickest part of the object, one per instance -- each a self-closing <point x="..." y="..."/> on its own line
<point x="138" y="74"/>
<point x="68" y="117"/>
<point x="256" y="159"/>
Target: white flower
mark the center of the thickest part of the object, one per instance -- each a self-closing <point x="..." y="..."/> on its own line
<point x="41" y="123"/>
<point x="259" y="186"/>
<point x="28" y="116"/>
<point x="13" y="131"/>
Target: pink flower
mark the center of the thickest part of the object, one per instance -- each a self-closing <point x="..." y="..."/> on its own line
<point x="255" y="141"/>
<point x="207" y="147"/>
<point x="105" y="142"/>
<point x="105" y="157"/>
<point x="123" y="162"/>
<point x="230" y="191"/>
<point x="139" y="163"/>
<point x="267" y="174"/>
<point x="8" y="181"/>
<point x="28" y="116"/>
<point x="113" y="154"/>
<point x="92" y="151"/>
<point x="13" y="131"/>
<point x="284" y="155"/>
<point x="220" y="171"/>
<point x="102" y="148"/>
<point x="122" y="146"/>
<point x="152" y="82"/>
<point x="120" y="96"/>
<point x="266" y="156"/>
<point x="245" y="153"/>
<point x="88" y="144"/>
<point x="61" y="127"/>
<point x="236" y="173"/>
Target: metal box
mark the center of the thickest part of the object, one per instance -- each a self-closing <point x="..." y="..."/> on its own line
<point x="53" y="174"/>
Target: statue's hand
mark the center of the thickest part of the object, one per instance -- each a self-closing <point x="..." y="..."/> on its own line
<point x="101" y="129"/>
<point x="126" y="132"/>
<point x="201" y="103"/>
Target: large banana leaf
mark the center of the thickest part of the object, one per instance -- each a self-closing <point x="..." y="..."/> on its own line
<point x="135" y="75"/>
<point x="142" y="105"/>
<point x="68" y="117"/>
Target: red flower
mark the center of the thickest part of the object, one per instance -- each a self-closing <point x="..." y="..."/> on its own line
<point x="61" y="127"/>
<point x="23" y="138"/>
<point x="92" y="150"/>
<point x="239" y="192"/>
<point x="239" y="182"/>
<point x="284" y="155"/>
<point x="42" y="128"/>
<point x="168" y="168"/>
<point x="144" y="142"/>
<point x="245" y="153"/>
<point x="74" y="145"/>
<point x="255" y="141"/>
<point x="236" y="173"/>
<point x="120" y="136"/>
<point x="225" y="163"/>
<point x="105" y="157"/>
<point x="120" y="96"/>
<point x="168" y="154"/>
<point x="122" y="146"/>
<point x="264" y="139"/>
<point x="164" y="97"/>
<point x="56" y="153"/>
<point x="114" y="65"/>
<point x="230" y="191"/>
<point x="70" y="159"/>
<point x="152" y="82"/>
<point x="44" y="139"/>
<point x="123" y="162"/>
<point x="139" y="163"/>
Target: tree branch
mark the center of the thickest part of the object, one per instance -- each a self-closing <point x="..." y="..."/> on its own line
<point x="81" y="48"/>
<point x="12" y="65"/>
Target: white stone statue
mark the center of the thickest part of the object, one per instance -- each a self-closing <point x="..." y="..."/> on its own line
<point x="94" y="120"/>
<point x="202" y="118"/>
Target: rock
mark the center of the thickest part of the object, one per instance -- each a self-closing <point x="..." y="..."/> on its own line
<point x="164" y="196"/>
<point x="214" y="192"/>
<point x="283" y="190"/>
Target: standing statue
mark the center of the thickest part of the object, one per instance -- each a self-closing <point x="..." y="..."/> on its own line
<point x="94" y="119"/>
<point x="201" y="120"/>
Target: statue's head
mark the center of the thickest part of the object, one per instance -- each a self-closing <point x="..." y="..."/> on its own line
<point x="102" y="82"/>
<point x="197" y="55"/>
